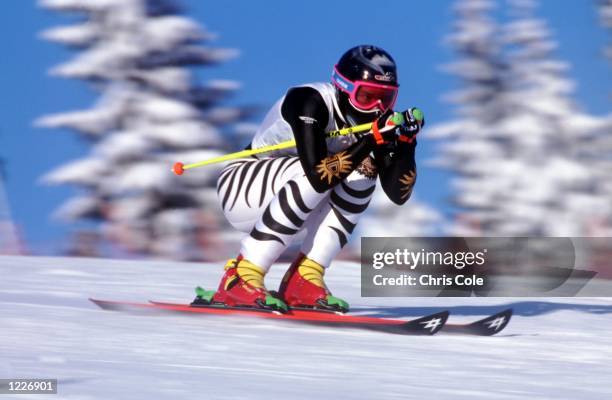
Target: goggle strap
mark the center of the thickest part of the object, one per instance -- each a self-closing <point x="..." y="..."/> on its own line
<point x="342" y="82"/>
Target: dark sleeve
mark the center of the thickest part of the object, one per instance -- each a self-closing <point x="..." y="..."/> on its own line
<point x="305" y="111"/>
<point x="397" y="171"/>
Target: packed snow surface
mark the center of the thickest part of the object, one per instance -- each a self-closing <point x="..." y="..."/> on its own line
<point x="553" y="348"/>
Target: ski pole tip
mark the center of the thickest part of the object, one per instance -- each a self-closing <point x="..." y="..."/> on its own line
<point x="178" y="168"/>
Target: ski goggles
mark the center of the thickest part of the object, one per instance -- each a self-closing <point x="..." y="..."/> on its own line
<point x="366" y="95"/>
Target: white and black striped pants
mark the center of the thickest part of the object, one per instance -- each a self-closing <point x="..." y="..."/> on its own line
<point x="273" y="201"/>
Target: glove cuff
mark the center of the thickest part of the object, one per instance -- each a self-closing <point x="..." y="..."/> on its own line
<point x="376" y="133"/>
<point x="406" y="139"/>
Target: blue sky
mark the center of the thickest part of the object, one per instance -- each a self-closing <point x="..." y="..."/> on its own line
<point x="282" y="43"/>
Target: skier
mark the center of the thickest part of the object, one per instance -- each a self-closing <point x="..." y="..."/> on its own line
<point x="320" y="188"/>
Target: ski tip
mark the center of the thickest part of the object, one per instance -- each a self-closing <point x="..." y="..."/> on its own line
<point x="427" y="325"/>
<point x="492" y="324"/>
<point x="96" y="302"/>
<point x="103" y="304"/>
<point x="113" y="305"/>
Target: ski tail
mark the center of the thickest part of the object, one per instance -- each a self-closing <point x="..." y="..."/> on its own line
<point x="427" y="325"/>
<point x="424" y="326"/>
<point x="485" y="327"/>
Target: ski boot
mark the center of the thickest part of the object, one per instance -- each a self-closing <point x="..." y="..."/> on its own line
<point x="242" y="285"/>
<point x="303" y="286"/>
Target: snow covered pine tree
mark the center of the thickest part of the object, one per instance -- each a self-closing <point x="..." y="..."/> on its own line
<point x="517" y="148"/>
<point x="139" y="55"/>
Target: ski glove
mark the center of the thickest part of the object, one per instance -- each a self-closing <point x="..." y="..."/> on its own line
<point x="414" y="120"/>
<point x="383" y="130"/>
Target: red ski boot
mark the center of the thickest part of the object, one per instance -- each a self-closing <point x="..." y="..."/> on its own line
<point x="243" y="285"/>
<point x="303" y="286"/>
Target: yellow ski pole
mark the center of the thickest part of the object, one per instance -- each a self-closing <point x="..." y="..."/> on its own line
<point x="179" y="168"/>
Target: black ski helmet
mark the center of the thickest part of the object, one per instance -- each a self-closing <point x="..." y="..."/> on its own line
<point x="364" y="65"/>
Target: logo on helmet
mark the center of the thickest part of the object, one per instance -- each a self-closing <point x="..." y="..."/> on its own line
<point x="387" y="77"/>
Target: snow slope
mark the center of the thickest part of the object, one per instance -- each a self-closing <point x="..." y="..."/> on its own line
<point x="556" y="348"/>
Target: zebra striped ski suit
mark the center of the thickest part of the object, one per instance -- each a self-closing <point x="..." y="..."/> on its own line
<point x="316" y="192"/>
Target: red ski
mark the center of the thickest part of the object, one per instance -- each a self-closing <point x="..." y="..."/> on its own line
<point x="427" y="325"/>
<point x="488" y="326"/>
